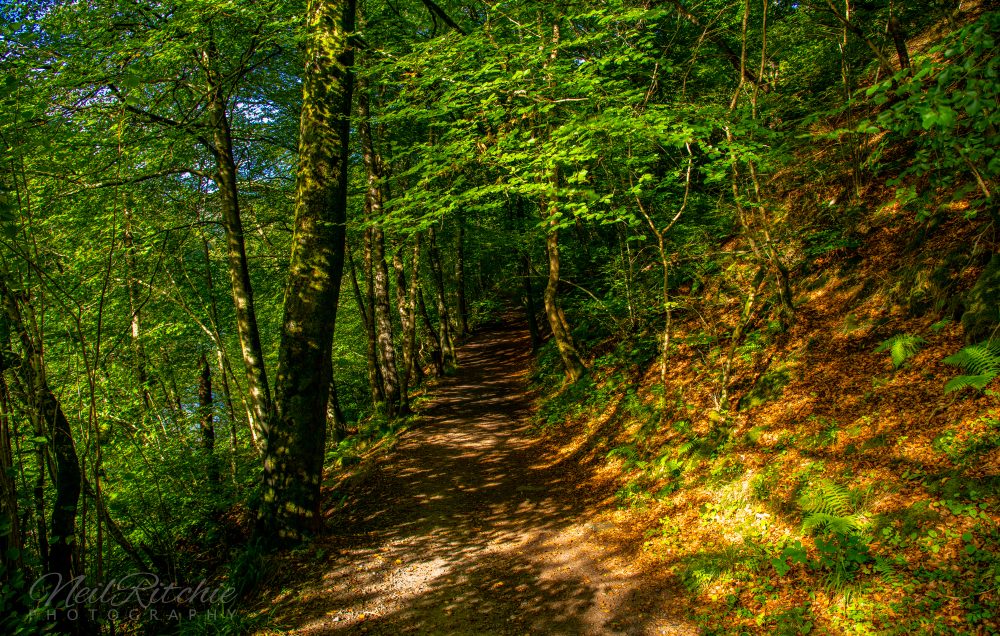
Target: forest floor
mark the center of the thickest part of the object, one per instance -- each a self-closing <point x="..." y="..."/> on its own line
<point x="472" y="524"/>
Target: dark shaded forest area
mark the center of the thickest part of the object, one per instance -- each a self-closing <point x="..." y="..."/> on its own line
<point x="734" y="265"/>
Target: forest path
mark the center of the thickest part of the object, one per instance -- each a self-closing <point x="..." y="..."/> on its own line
<point x="471" y="525"/>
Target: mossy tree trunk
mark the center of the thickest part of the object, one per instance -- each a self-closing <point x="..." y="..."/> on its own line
<point x="530" y="312"/>
<point x="11" y="543"/>
<point x="296" y="434"/>
<point x="571" y="359"/>
<point x="135" y="305"/>
<point x="225" y="178"/>
<point x="406" y="305"/>
<point x="334" y="414"/>
<point x="433" y="340"/>
<point x="381" y="308"/>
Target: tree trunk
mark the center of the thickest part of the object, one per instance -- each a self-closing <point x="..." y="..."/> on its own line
<point x="374" y="199"/>
<point x="383" y="328"/>
<point x="334" y="414"/>
<point x="11" y="545"/>
<point x="239" y="271"/>
<point x="38" y="499"/>
<point x="223" y="365"/>
<point x="48" y="416"/>
<point x="444" y="320"/>
<point x="845" y="19"/>
<point x="715" y="36"/>
<point x="408" y="323"/>
<point x="433" y="339"/>
<point x="115" y="530"/>
<point x="530" y="312"/>
<point x="463" y="308"/>
<point x="206" y="418"/>
<point x="899" y="41"/>
<point x="572" y="362"/>
<point x="368" y="322"/>
<point x="135" y="306"/>
<point x="416" y="369"/>
<point x="296" y="437"/>
<point x="746" y="317"/>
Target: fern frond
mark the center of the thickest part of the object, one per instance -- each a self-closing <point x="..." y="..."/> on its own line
<point x="978" y="359"/>
<point x="977" y="382"/>
<point x="981" y="362"/>
<point x="824" y="522"/>
<point x="885" y="569"/>
<point x="628" y="453"/>
<point x="827" y="497"/>
<point x="901" y="347"/>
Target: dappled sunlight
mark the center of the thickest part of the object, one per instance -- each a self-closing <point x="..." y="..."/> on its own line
<point x="472" y="525"/>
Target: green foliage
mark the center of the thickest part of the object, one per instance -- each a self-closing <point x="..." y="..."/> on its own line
<point x="940" y="324"/>
<point x="635" y="493"/>
<point x="596" y="119"/>
<point x="19" y="613"/>
<point x="791" y="554"/>
<point x="948" y="108"/>
<point x="901" y="347"/>
<point x="794" y="621"/>
<point x="969" y="447"/>
<point x="824" y="500"/>
<point x="981" y="362"/>
<point x="249" y="569"/>
<point x="842" y="556"/>
<point x="763" y="483"/>
<point x="629" y="455"/>
<point x="832" y="514"/>
<point x="374" y="431"/>
<point x="572" y="401"/>
<point x="769" y="387"/>
<point x="825" y="241"/>
<point x="223" y="621"/>
<point x="731" y="562"/>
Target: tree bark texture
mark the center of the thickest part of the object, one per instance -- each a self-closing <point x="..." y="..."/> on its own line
<point x="296" y="434"/>
<point x="239" y="271"/>
<point x="407" y="322"/>
<point x="572" y="361"/>
<point x="374" y="200"/>
<point x="433" y="339"/>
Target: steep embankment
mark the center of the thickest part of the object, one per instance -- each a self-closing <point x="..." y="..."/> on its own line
<point x="840" y="493"/>
<point x="473" y="525"/>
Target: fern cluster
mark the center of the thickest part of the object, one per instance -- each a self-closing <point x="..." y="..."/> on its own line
<point x="901" y="347"/>
<point x="832" y="512"/>
<point x="830" y="507"/>
<point x="981" y="363"/>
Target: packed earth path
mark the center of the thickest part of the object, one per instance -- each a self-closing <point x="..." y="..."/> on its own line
<point x="472" y="524"/>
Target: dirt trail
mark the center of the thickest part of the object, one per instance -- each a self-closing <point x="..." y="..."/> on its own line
<point x="471" y="526"/>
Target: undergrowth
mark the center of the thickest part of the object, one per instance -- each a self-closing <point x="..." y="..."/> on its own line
<point x="783" y="525"/>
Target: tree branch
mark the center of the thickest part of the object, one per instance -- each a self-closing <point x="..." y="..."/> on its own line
<point x="439" y="12"/>
<point x="724" y="48"/>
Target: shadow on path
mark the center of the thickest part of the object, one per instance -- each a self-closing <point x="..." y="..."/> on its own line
<point x="471" y="526"/>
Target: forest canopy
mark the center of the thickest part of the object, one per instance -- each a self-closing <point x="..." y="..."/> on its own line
<point x="240" y="241"/>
